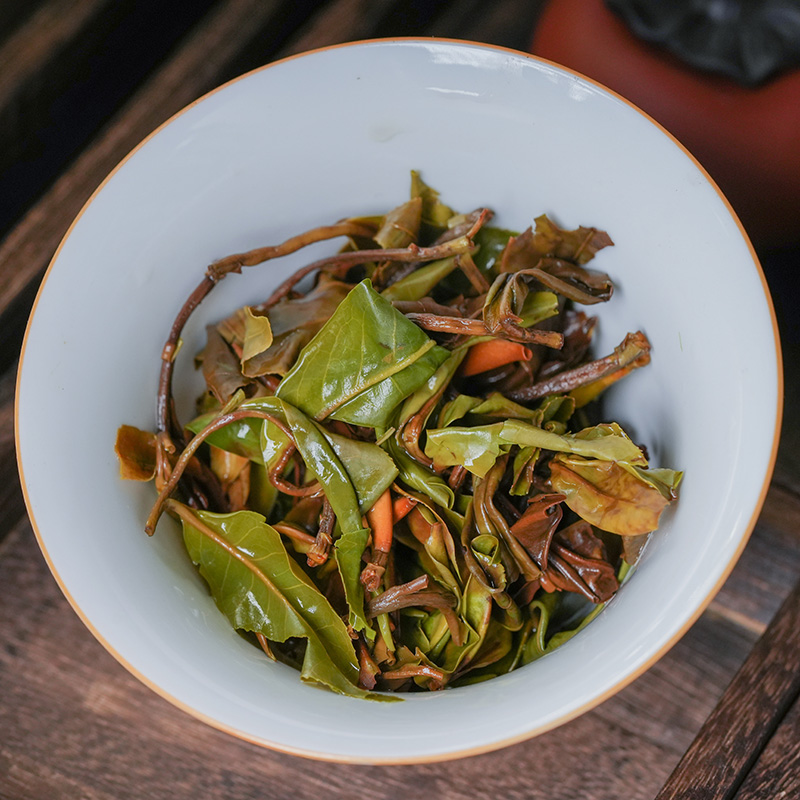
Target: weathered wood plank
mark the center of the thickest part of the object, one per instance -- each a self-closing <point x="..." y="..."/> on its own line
<point x="769" y="566"/>
<point x="505" y="22"/>
<point x="11" y="504"/>
<point x="783" y="277"/>
<point x="14" y="14"/>
<point x="75" y="724"/>
<point x="63" y="72"/>
<point x="36" y="51"/>
<point x="776" y="775"/>
<point x="341" y="21"/>
<point x="754" y="704"/>
<point x="196" y="67"/>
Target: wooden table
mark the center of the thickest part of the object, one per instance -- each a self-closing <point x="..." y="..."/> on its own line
<point x="81" y="82"/>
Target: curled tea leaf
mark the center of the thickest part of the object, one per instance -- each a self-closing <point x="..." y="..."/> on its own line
<point x="608" y="495"/>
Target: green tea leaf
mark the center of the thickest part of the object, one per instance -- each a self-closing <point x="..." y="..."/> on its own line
<point x="476" y="448"/>
<point x="607" y="442"/>
<point x="362" y="364"/>
<point x="420" y="478"/>
<point x="421" y="282"/>
<point x="242" y="437"/>
<point x="401" y="225"/>
<point x="491" y="243"/>
<point x="260" y="588"/>
<point x="368" y="466"/>
<point x="536" y="307"/>
<point x="348" y="550"/>
<point x="323" y="462"/>
<point x="434" y="212"/>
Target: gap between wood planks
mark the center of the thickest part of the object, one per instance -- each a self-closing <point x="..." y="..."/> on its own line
<point x="752" y="708"/>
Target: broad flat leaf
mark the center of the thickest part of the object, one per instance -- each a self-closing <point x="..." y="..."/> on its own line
<point x="362" y="364"/>
<point x="331" y="460"/>
<point x="607" y="495"/>
<point x="607" y="441"/>
<point x="368" y="466"/>
<point x="476" y="448"/>
<point x="242" y="437"/>
<point x="325" y="465"/>
<point x="260" y="588"/>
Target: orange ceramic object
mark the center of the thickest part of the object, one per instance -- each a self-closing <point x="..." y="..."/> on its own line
<point x="747" y="138"/>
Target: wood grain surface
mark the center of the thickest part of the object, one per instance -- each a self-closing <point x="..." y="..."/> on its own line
<point x="776" y="774"/>
<point x="753" y="706"/>
<point x="73" y="722"/>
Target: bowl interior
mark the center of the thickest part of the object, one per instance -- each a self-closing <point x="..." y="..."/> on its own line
<point x="331" y="134"/>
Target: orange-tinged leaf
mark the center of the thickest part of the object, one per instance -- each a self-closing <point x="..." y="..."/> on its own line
<point x="607" y="495"/>
<point x="136" y="450"/>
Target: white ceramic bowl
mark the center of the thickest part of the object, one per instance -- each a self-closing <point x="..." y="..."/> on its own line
<point x="334" y="133"/>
